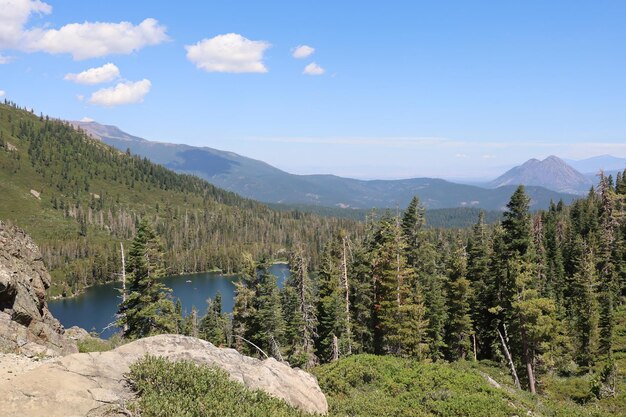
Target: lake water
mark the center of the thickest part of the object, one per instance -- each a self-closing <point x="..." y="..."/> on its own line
<point x="95" y="309"/>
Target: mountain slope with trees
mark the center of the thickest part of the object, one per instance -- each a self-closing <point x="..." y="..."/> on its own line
<point x="79" y="198"/>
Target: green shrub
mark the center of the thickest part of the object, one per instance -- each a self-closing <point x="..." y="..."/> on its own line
<point x="367" y="385"/>
<point x="92" y="344"/>
<point x="172" y="389"/>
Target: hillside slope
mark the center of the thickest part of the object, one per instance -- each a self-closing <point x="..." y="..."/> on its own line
<point x="261" y="181"/>
<point x="79" y="198"/>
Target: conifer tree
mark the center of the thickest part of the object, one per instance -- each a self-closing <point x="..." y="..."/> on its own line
<point x="585" y="312"/>
<point x="300" y="312"/>
<point x="400" y="310"/>
<point x="269" y="324"/>
<point x="147" y="309"/>
<point x="330" y="306"/>
<point x="606" y="265"/>
<point x="533" y="316"/>
<point x="244" y="309"/>
<point x="214" y="325"/>
<point x="479" y="252"/>
<point x="459" y="327"/>
<point x="428" y="265"/>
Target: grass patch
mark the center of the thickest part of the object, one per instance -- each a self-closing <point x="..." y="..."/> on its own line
<point x="93" y="344"/>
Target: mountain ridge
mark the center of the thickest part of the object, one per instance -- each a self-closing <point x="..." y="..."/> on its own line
<point x="260" y="181"/>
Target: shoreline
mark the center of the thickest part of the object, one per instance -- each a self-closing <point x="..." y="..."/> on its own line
<point x="83" y="289"/>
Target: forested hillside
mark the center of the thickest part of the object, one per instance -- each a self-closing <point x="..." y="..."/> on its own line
<point x="538" y="293"/>
<point x="535" y="303"/>
<point x="80" y="198"/>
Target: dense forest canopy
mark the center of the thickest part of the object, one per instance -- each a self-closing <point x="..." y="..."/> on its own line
<point x="538" y="292"/>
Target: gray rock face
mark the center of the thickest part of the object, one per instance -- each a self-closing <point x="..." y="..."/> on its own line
<point x="26" y="325"/>
<point x="90" y="384"/>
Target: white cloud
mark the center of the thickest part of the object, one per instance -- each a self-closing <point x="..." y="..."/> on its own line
<point x="87" y="120"/>
<point x="313" y="69"/>
<point x="122" y="93"/>
<point x="461" y="155"/>
<point x="13" y="16"/>
<point x="2" y="93"/>
<point x="5" y="59"/>
<point x="302" y="51"/>
<point x="81" y="40"/>
<point x="228" y="53"/>
<point x="92" y="40"/>
<point x="107" y="72"/>
<point x="80" y="97"/>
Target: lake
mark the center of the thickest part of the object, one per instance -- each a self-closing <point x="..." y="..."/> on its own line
<point x="95" y="309"/>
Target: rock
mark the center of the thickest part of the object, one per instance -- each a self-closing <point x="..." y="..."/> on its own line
<point x="77" y="333"/>
<point x="26" y="325"/>
<point x="90" y="384"/>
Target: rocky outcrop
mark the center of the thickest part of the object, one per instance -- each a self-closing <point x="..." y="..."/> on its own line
<point x="90" y="384"/>
<point x="26" y="325"/>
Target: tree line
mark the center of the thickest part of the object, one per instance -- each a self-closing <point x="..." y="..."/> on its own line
<point x="537" y="292"/>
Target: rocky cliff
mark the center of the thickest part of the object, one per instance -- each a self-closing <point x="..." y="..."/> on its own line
<point x="93" y="384"/>
<point x="26" y="325"/>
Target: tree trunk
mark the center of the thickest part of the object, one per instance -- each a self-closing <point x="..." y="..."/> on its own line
<point x="335" y="349"/>
<point x="528" y="361"/>
<point x="509" y="359"/>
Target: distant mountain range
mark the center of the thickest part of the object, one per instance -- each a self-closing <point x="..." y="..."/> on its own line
<point x="263" y="182"/>
<point x="593" y="165"/>
<point x="552" y="173"/>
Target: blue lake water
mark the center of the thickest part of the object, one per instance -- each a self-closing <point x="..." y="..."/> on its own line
<point x="95" y="309"/>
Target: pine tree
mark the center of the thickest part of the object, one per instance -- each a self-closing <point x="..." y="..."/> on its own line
<point x="244" y="310"/>
<point x="330" y="307"/>
<point x="459" y="327"/>
<point x="427" y="263"/>
<point x="214" y="325"/>
<point x="300" y="312"/>
<point x="479" y="252"/>
<point x="148" y="309"/>
<point x="400" y="310"/>
<point x="269" y="321"/>
<point x="533" y="316"/>
<point x="584" y="315"/>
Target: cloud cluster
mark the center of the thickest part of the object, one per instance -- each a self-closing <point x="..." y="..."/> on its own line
<point x="2" y="93"/>
<point x="107" y="72"/>
<point x="123" y="93"/>
<point x="228" y="53"/>
<point x="81" y="40"/>
<point x="302" y="51"/>
<point x="313" y="69"/>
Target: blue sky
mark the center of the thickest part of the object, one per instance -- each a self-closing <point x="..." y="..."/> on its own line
<point x="398" y="89"/>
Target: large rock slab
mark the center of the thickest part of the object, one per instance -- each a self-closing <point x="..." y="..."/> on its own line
<point x="26" y="325"/>
<point x="93" y="384"/>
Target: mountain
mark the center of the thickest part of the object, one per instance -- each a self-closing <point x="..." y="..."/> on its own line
<point x="552" y="173"/>
<point x="260" y="181"/>
<point x="593" y="165"/>
<point x="79" y="198"/>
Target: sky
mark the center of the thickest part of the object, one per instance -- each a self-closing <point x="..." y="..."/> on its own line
<point x="366" y="89"/>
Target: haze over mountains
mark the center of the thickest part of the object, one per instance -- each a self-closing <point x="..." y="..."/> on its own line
<point x="263" y="182"/>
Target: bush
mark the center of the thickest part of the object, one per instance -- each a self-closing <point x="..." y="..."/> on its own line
<point x="169" y="389"/>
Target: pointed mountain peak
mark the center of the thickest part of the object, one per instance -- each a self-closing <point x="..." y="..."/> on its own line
<point x="552" y="173"/>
